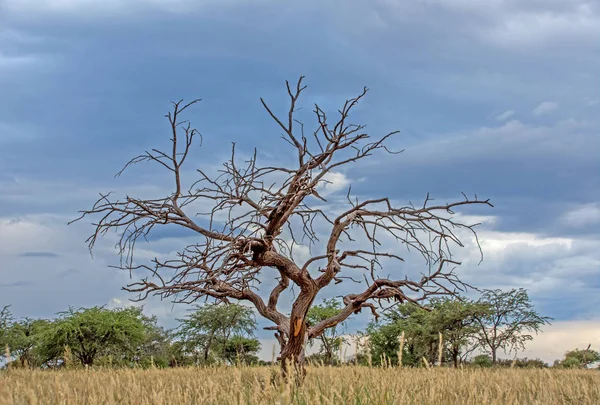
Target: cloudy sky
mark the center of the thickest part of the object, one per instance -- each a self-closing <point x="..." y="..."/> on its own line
<point x="497" y="98"/>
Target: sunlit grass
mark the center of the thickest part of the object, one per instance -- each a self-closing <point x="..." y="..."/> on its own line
<point x="323" y="385"/>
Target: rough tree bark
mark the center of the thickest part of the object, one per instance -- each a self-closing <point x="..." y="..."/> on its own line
<point x="256" y="215"/>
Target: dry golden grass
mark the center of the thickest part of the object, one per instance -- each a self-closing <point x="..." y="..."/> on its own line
<point x="323" y="385"/>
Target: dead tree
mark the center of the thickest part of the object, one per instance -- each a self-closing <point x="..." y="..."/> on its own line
<point x="253" y="216"/>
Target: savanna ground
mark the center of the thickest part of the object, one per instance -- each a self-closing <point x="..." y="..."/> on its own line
<point x="323" y="385"/>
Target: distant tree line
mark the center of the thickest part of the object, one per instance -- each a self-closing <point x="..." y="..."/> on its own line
<point x="459" y="332"/>
<point x="126" y="337"/>
<point x="453" y="332"/>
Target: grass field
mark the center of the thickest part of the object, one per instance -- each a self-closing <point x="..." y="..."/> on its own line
<point x="323" y="385"/>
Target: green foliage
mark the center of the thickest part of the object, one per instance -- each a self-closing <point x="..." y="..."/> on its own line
<point x="93" y="332"/>
<point x="24" y="338"/>
<point x="522" y="363"/>
<point x="508" y="322"/>
<point x="154" y="350"/>
<point x="569" y="362"/>
<point x="454" y="318"/>
<point x="128" y="338"/>
<point x="578" y="358"/>
<point x="482" y="360"/>
<point x="242" y="350"/>
<point x="321" y="359"/>
<point x="329" y="340"/>
<point x="6" y="320"/>
<point x="384" y="338"/>
<point x="205" y="333"/>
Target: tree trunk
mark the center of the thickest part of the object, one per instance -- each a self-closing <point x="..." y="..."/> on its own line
<point x="455" y="355"/>
<point x="293" y="352"/>
<point x="87" y="360"/>
<point x="293" y="355"/>
<point x="494" y="355"/>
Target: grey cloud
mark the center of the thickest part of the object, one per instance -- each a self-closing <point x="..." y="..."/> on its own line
<point x="69" y="273"/>
<point x="51" y="289"/>
<point x="99" y="81"/>
<point x="545" y="108"/>
<point x="505" y="115"/>
<point x="38" y="254"/>
<point x="533" y="174"/>
<point x="17" y="284"/>
<point x="558" y="272"/>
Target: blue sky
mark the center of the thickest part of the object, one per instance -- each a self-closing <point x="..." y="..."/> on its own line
<point x="499" y="98"/>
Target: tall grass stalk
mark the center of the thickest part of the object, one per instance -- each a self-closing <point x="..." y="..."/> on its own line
<point x="348" y="384"/>
<point x="401" y="349"/>
<point x="440" y="349"/>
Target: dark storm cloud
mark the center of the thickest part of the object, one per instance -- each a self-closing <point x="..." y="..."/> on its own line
<point x="496" y="98"/>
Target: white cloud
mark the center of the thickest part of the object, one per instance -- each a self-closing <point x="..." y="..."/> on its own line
<point x="69" y="277"/>
<point x="590" y="102"/>
<point x="333" y="182"/>
<point x="542" y="25"/>
<point x="499" y="242"/>
<point x="7" y="61"/>
<point x="505" y="115"/>
<point x="67" y="6"/>
<point x="100" y="8"/>
<point x="26" y="234"/>
<point x="588" y="214"/>
<point x="545" y="108"/>
<point x="510" y="24"/>
<point x="568" y="140"/>
<point x="560" y="337"/>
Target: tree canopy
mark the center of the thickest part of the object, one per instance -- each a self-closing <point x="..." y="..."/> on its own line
<point x="579" y="358"/>
<point x="209" y="329"/>
<point x="91" y="332"/>
<point x="24" y="338"/>
<point x="508" y="322"/>
<point x="330" y="340"/>
<point x="453" y="318"/>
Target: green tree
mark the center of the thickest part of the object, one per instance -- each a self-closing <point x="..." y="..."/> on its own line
<point x="453" y="318"/>
<point x="508" y="322"/>
<point x="153" y="349"/>
<point x="93" y="332"/>
<point x="156" y="346"/>
<point x="482" y="360"/>
<point x="522" y="363"/>
<point x="242" y="349"/>
<point x="6" y="320"/>
<point x="419" y="339"/>
<point x="456" y="320"/>
<point x="329" y="339"/>
<point x="578" y="358"/>
<point x="208" y="329"/>
<point x="24" y="337"/>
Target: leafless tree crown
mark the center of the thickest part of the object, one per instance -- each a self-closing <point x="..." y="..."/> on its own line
<point x="253" y="216"/>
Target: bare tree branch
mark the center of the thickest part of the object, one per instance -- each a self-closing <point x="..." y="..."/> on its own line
<point x="251" y="217"/>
